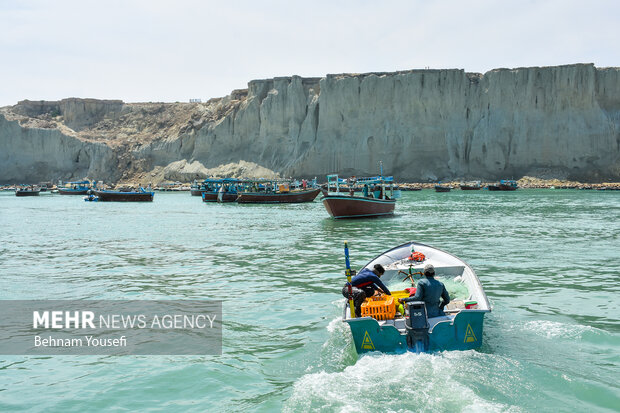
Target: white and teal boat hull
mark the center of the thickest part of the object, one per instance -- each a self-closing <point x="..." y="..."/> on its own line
<point x="460" y="329"/>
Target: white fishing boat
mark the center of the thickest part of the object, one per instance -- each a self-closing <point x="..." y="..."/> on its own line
<point x="385" y="326"/>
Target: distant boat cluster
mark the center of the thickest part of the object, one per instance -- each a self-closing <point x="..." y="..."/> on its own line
<point x="261" y="191"/>
<point x="503" y="185"/>
<point x="94" y="191"/>
<point x="354" y="197"/>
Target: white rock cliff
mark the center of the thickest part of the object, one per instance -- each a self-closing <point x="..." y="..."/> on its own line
<point x="423" y="124"/>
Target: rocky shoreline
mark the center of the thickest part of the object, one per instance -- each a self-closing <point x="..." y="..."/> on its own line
<point x="527" y="182"/>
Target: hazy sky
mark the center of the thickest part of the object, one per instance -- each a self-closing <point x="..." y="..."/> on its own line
<point x="155" y="50"/>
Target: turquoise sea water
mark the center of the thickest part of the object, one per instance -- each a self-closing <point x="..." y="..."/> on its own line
<point x="549" y="261"/>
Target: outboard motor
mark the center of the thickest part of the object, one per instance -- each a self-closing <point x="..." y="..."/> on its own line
<point x="417" y="327"/>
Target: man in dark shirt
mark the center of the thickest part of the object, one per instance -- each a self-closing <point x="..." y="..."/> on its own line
<point x="364" y="285"/>
<point x="430" y="291"/>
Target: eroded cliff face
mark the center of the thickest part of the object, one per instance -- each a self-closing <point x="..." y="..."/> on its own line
<point x="423" y="124"/>
<point x="433" y="124"/>
<point x="35" y="154"/>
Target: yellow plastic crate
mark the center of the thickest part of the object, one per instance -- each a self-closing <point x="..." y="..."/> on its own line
<point x="380" y="307"/>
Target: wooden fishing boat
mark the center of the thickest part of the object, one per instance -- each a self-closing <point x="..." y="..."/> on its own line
<point x="504" y="185"/>
<point x="208" y="185"/>
<point x="196" y="189"/>
<point x="220" y="190"/>
<point x="209" y="196"/>
<point x="343" y="206"/>
<point x="227" y="194"/>
<point x="374" y="201"/>
<point x="278" y="192"/>
<point x="75" y="188"/>
<point x="442" y="188"/>
<point x="208" y="189"/>
<point x="507" y="185"/>
<point x="284" y="197"/>
<point x="27" y="191"/>
<point x="124" y="196"/>
<point x="389" y="330"/>
<point x="471" y="186"/>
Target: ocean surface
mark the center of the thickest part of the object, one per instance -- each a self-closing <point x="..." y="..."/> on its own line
<point x="549" y="261"/>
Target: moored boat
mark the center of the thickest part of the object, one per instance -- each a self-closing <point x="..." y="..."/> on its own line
<point x="27" y="191"/>
<point x="264" y="191"/>
<point x="198" y="188"/>
<point x="227" y="194"/>
<point x="282" y="195"/>
<point x="374" y="201"/>
<point x="389" y="330"/>
<point x="503" y="185"/>
<point x="124" y="196"/>
<point x="75" y="188"/>
<point x="442" y="188"/>
<point x="220" y="190"/>
<point x="507" y="185"/>
<point x="209" y="196"/>
<point x="471" y="186"/>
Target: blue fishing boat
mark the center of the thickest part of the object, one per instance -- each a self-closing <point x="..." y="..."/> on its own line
<point x="220" y="190"/>
<point x="508" y="185"/>
<point x="75" y="188"/>
<point x="389" y="327"/>
<point x="504" y="185"/>
<point x="277" y="192"/>
<point x="471" y="186"/>
<point x="142" y="195"/>
<point x="198" y="188"/>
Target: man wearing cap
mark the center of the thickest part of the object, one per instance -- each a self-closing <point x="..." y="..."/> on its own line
<point x="364" y="285"/>
<point x="430" y="291"/>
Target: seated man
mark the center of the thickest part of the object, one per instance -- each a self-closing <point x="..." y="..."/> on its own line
<point x="364" y="285"/>
<point x="430" y="291"/>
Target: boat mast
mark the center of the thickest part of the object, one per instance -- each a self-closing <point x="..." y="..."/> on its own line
<point x="381" y="178"/>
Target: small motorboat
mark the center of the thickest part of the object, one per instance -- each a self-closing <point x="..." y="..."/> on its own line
<point x="389" y="327"/>
<point x="91" y="198"/>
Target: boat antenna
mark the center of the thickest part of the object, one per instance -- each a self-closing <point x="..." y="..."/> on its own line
<point x="348" y="272"/>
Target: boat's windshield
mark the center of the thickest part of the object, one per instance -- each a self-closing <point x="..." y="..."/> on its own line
<point x="455" y="286"/>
